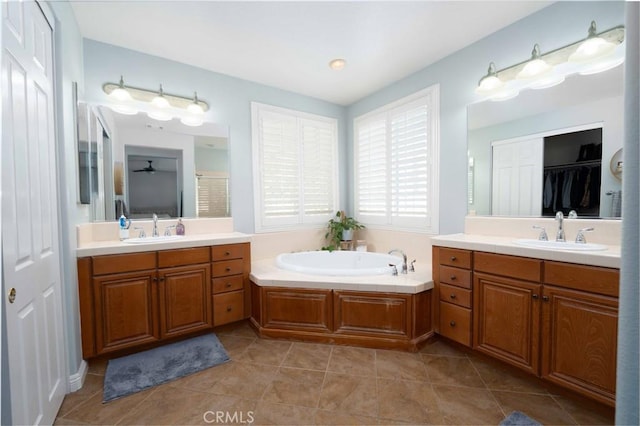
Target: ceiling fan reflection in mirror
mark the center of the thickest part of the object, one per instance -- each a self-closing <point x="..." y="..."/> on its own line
<point x="148" y="169"/>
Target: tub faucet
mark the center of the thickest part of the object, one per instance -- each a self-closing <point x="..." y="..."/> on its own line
<point x="404" y="259"/>
<point x="155" y="232"/>
<point x="560" y="233"/>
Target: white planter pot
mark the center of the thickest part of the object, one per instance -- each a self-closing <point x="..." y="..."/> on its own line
<point x="347" y="235"/>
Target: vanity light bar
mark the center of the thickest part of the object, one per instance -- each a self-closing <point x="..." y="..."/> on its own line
<point x="507" y="82"/>
<point x="145" y="95"/>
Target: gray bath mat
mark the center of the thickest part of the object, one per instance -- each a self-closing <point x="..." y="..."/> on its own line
<point x="518" y="419"/>
<point x="143" y="370"/>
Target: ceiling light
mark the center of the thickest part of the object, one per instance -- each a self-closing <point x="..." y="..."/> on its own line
<point x="536" y="67"/>
<point x="194" y="107"/>
<point x="158" y="105"/>
<point x="490" y="82"/>
<point x="160" y="101"/>
<point x="120" y="93"/>
<point x="337" y="64"/>
<point x="596" y="53"/>
<point x="593" y="47"/>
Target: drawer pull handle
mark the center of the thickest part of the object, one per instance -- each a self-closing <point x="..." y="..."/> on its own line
<point x="453" y="278"/>
<point x="227" y="269"/>
<point x="227" y="253"/>
<point x="535" y="296"/>
<point x="453" y="258"/>
<point x="228" y="285"/>
<point x="452" y="323"/>
<point x="453" y="296"/>
<point x="229" y="309"/>
<point x="545" y="298"/>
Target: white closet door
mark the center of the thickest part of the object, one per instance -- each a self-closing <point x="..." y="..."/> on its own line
<point x="517" y="177"/>
<point x="30" y="257"/>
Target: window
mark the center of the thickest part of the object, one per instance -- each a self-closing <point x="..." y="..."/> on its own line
<point x="212" y="194"/>
<point x="295" y="157"/>
<point x="396" y="164"/>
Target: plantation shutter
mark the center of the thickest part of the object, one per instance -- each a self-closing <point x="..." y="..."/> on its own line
<point x="212" y="196"/>
<point x="296" y="167"/>
<point x="396" y="164"/>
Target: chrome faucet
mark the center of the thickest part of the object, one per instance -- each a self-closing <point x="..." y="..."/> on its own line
<point x="155" y="233"/>
<point x="404" y="259"/>
<point x="560" y="233"/>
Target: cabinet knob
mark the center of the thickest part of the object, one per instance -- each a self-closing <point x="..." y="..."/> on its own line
<point x="453" y="296"/>
<point x="227" y="253"/>
<point x="228" y="285"/>
<point x="535" y="296"/>
<point x="545" y="298"/>
<point x="229" y="309"/>
<point x="453" y="278"/>
<point x="155" y="280"/>
<point x="453" y="258"/>
<point x="228" y="269"/>
<point x="452" y="323"/>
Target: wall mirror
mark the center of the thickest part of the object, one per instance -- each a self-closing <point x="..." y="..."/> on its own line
<point x="583" y="109"/>
<point x="161" y="167"/>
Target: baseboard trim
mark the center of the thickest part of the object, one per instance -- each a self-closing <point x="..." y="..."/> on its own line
<point x="76" y="380"/>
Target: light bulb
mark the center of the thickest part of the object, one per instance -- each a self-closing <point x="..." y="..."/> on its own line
<point x="120" y="93"/>
<point x="490" y="82"/>
<point x="536" y="67"/>
<point x="194" y="107"/>
<point x="160" y="101"/>
<point x="593" y="47"/>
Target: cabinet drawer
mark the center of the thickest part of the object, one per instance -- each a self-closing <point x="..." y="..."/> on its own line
<point x="116" y="263"/>
<point x="455" y="295"/>
<point x="455" y="323"/>
<point x="181" y="257"/>
<point x="455" y="257"/>
<point x="227" y="251"/>
<point x="231" y="283"/>
<point x="228" y="307"/>
<point x="581" y="277"/>
<point x="508" y="266"/>
<point x="455" y="276"/>
<point x="227" y="267"/>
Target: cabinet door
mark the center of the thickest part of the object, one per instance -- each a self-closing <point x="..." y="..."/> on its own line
<point x="579" y="348"/>
<point x="364" y="313"/>
<point x="125" y="310"/>
<point x="185" y="299"/>
<point x="507" y="320"/>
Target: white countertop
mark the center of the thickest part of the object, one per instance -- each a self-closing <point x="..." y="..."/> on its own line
<point x="97" y="248"/>
<point x="265" y="273"/>
<point x="506" y="245"/>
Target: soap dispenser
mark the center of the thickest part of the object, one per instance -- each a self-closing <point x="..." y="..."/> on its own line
<point x="180" y="227"/>
<point x="124" y="227"/>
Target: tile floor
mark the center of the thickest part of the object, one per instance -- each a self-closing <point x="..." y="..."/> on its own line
<point x="279" y="382"/>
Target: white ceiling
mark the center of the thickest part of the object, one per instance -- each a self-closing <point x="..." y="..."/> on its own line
<point x="289" y="44"/>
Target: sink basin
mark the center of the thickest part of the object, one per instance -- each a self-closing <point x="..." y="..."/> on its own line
<point x="560" y="245"/>
<point x="150" y="240"/>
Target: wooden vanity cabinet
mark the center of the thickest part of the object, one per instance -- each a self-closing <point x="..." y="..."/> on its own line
<point x="184" y="280"/>
<point x="580" y="328"/>
<point x="230" y="280"/>
<point x="136" y="299"/>
<point x="453" y="290"/>
<point x="507" y="297"/>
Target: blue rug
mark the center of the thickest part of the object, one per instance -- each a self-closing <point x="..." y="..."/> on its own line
<point x="133" y="373"/>
<point x="518" y="419"/>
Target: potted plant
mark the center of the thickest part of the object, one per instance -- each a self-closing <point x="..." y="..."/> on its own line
<point x="339" y="229"/>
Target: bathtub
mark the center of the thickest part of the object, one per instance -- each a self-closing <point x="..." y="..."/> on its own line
<point x="338" y="263"/>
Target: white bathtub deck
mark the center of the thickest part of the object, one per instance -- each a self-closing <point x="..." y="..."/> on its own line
<point x="265" y="273"/>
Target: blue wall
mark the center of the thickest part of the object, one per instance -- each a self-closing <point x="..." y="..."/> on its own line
<point x="557" y="25"/>
<point x="230" y="104"/>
